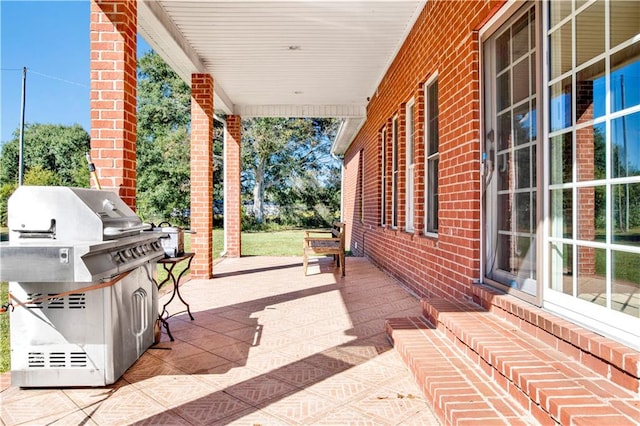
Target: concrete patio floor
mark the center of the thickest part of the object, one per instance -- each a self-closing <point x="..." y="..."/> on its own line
<point x="268" y="346"/>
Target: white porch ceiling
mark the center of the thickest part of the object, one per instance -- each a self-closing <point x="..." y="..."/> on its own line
<point x="311" y="58"/>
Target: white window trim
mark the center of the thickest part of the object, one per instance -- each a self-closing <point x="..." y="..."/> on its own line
<point x="427" y="157"/>
<point x="601" y="319"/>
<point x="410" y="132"/>
<point x="383" y="183"/>
<point x="395" y="171"/>
<point x="361" y="167"/>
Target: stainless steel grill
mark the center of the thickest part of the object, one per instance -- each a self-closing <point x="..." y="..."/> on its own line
<point x="81" y="267"/>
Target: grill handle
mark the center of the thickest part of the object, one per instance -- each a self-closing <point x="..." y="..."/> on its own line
<point x="112" y="231"/>
<point x="38" y="233"/>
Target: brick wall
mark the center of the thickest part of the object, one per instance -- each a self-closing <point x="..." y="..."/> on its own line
<point x="202" y="174"/>
<point x="444" y="41"/>
<point x="113" y="95"/>
<point x="233" y="215"/>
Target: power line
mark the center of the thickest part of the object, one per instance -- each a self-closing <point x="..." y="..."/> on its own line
<point x="53" y="77"/>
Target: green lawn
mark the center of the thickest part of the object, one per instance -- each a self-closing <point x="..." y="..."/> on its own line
<point x="277" y="243"/>
<point x="280" y="243"/>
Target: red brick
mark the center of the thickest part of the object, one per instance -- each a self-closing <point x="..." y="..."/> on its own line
<point x="107" y="71"/>
<point x="232" y="181"/>
<point x="202" y="174"/>
<point x="605" y="413"/>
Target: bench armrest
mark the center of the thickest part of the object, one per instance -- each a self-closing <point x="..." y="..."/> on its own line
<point x="308" y="240"/>
<point x="313" y="231"/>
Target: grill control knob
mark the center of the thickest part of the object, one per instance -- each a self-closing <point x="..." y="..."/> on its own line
<point x="128" y="254"/>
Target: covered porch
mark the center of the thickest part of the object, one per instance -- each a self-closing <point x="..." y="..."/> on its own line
<point x="271" y="346"/>
<point x="241" y="59"/>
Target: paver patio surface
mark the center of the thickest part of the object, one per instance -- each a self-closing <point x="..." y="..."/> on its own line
<point x="268" y="346"/>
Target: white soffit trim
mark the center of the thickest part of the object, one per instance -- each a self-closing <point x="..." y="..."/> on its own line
<point x="347" y="132"/>
<point x="339" y="111"/>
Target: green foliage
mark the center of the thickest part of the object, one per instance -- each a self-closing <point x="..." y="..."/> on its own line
<point x="163" y="144"/>
<point x="5" y="353"/>
<point x="287" y="161"/>
<point x="5" y="192"/>
<point x="60" y="149"/>
<point x="53" y="155"/>
<point x="39" y="176"/>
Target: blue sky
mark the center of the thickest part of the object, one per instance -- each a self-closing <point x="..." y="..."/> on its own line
<point x="51" y="39"/>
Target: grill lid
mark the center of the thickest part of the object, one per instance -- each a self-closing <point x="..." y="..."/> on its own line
<point x="61" y="234"/>
<point x="69" y="214"/>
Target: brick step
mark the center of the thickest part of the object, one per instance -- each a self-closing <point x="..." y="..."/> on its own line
<point x="457" y="389"/>
<point x="539" y="379"/>
<point x="610" y="359"/>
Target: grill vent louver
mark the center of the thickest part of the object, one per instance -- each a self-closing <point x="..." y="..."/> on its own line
<point x="57" y="360"/>
<point x="55" y="303"/>
<point x="36" y="360"/>
<point x="30" y="298"/>
<point x="77" y="301"/>
<point x="72" y="301"/>
<point x="78" y="359"/>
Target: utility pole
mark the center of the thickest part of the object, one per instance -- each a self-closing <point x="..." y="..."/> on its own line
<point x="22" y="107"/>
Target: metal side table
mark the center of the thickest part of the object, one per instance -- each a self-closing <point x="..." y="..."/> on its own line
<point x="168" y="264"/>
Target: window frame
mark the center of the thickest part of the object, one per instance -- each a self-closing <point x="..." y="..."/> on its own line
<point x="564" y="299"/>
<point x="383" y="176"/>
<point x="431" y="215"/>
<point x="361" y="176"/>
<point x="410" y="132"/>
<point x="395" y="171"/>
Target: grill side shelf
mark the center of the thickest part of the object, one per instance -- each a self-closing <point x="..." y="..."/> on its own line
<point x="46" y="263"/>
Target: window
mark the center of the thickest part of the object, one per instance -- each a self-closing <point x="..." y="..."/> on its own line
<point x="510" y="153"/>
<point x="410" y="165"/>
<point x="383" y="174"/>
<point x="431" y="164"/>
<point x="594" y="175"/>
<point x="394" y="173"/>
<point x="361" y="178"/>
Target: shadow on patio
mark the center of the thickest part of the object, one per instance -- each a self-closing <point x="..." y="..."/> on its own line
<point x="267" y="346"/>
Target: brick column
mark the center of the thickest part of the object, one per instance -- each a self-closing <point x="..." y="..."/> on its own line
<point x="113" y="95"/>
<point x="202" y="175"/>
<point x="232" y="201"/>
<point x="585" y="159"/>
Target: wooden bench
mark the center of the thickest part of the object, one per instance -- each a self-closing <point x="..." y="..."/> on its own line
<point x="330" y="243"/>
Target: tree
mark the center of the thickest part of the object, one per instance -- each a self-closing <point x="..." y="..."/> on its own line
<point x="288" y="161"/>
<point x="53" y="147"/>
<point x="163" y="144"/>
<point x="53" y="155"/>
